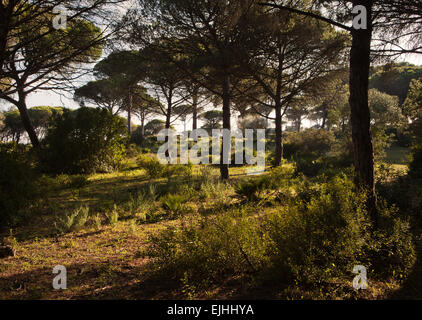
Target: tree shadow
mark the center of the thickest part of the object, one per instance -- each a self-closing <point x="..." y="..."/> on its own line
<point x="88" y="281"/>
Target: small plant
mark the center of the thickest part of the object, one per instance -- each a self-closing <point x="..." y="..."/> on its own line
<point x="188" y="288"/>
<point x="77" y="182"/>
<point x="11" y="240"/>
<point x="260" y="188"/>
<point x="173" y="204"/>
<point x="132" y="226"/>
<point x="97" y="221"/>
<point x="153" y="168"/>
<point x="151" y="192"/>
<point x="113" y="216"/>
<point x="218" y="192"/>
<point x="183" y="170"/>
<point x="206" y="175"/>
<point x="133" y="150"/>
<point x="72" y="221"/>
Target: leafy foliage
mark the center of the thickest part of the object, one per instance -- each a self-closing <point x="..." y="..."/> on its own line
<point x="85" y="141"/>
<point x="18" y="184"/>
<point x="154" y="169"/>
<point x="72" y="221"/>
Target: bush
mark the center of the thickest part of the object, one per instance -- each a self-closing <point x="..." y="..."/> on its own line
<point x="133" y="151"/>
<point x="318" y="236"/>
<point x="18" y="184"/>
<point x="174" y="204"/>
<point x="391" y="252"/>
<point x="309" y="150"/>
<point x="308" y="144"/>
<point x="416" y="164"/>
<point x="78" y="182"/>
<point x="257" y="189"/>
<point x="113" y="216"/>
<point x="210" y="249"/>
<point x="154" y="169"/>
<point x="139" y="204"/>
<point x="72" y="221"/>
<point x="84" y="141"/>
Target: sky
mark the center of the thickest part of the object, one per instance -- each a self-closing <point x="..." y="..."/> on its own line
<point x="48" y="98"/>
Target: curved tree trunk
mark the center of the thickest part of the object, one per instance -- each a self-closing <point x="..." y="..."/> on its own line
<point x="26" y="121"/>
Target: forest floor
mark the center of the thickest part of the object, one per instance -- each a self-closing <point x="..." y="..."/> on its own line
<point x="109" y="261"/>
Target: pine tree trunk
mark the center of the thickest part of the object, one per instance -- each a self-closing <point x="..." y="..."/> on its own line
<point x="224" y="167"/>
<point x="195" y="111"/>
<point x="26" y="121"/>
<point x="278" y="136"/>
<point x="142" y="128"/>
<point x="129" y="113"/>
<point x="324" y="117"/>
<point x="360" y="114"/>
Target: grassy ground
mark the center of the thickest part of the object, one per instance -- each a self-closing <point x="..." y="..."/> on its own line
<point x="398" y="156"/>
<point x="109" y="261"/>
<point x="102" y="262"/>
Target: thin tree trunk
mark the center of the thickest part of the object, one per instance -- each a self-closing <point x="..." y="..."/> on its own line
<point x="168" y="116"/>
<point x="299" y="123"/>
<point x="360" y="114"/>
<point x="278" y="115"/>
<point x="324" y="117"/>
<point x="195" y="111"/>
<point x="142" y="128"/>
<point x="224" y="167"/>
<point x="278" y="135"/>
<point x="26" y="121"/>
<point x="129" y="113"/>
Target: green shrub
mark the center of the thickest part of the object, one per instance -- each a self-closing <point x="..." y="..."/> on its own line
<point x="72" y="221"/>
<point x="209" y="249"/>
<point x="97" y="221"/>
<point x="309" y="150"/>
<point x="218" y="192"/>
<point x="77" y="182"/>
<point x="154" y="169"/>
<point x="207" y="175"/>
<point x="174" y="204"/>
<point x="113" y="216"/>
<point x="184" y="170"/>
<point x="133" y="151"/>
<point x="19" y="188"/>
<point x="139" y="204"/>
<point x="257" y="189"/>
<point x="308" y="144"/>
<point x="391" y="253"/>
<point x="315" y="237"/>
<point x="320" y="236"/>
<point x="84" y="141"/>
<point x="416" y="164"/>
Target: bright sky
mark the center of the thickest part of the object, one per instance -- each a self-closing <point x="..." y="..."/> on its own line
<point x="45" y="98"/>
